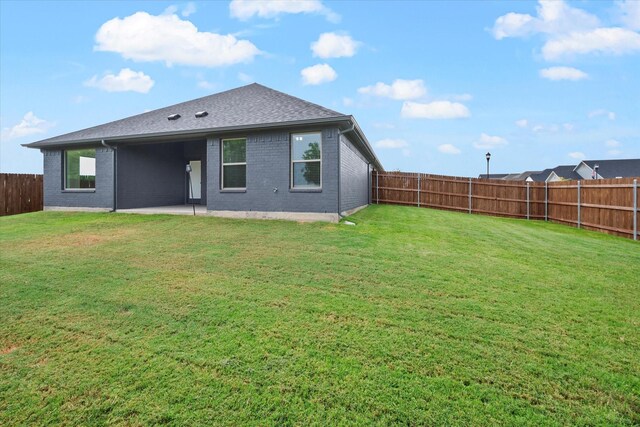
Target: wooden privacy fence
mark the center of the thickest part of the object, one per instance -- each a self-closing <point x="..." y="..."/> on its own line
<point x="20" y="193"/>
<point x="605" y="205"/>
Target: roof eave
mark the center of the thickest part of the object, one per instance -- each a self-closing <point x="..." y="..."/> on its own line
<point x="189" y="132"/>
<point x="365" y="143"/>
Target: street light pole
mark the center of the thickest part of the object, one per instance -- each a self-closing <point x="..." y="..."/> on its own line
<point x="488" y="156"/>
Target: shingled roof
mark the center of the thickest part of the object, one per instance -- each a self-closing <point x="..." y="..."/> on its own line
<point x="615" y="168"/>
<point x="248" y="106"/>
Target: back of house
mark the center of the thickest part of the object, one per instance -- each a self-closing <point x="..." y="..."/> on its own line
<point x="247" y="152"/>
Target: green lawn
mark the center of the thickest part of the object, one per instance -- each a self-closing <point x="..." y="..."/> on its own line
<point x="412" y="317"/>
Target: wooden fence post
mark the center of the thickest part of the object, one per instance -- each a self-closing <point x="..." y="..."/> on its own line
<point x="469" y="195"/>
<point x="527" y="200"/>
<point x="546" y="201"/>
<point x="635" y="209"/>
<point x="426" y="191"/>
<point x="377" y="189"/>
<point x="418" y="190"/>
<point x="578" y="203"/>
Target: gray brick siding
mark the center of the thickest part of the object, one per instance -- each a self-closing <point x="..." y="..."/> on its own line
<point x="268" y="167"/>
<point x="354" y="176"/>
<point x="153" y="175"/>
<point x="56" y="196"/>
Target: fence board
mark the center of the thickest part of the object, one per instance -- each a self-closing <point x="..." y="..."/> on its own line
<point x="20" y="193"/>
<point x="606" y="205"/>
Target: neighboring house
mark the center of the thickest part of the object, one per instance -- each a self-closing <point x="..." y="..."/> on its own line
<point x="559" y="173"/>
<point x="623" y="168"/>
<point x="253" y="151"/>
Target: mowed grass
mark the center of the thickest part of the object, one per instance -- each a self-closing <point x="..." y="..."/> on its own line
<point x="412" y="317"/>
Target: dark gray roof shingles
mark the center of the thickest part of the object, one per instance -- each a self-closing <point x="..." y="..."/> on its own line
<point x="616" y="168"/>
<point x="245" y="106"/>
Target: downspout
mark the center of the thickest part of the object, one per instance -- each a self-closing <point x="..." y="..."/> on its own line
<point x="340" y="133"/>
<point x="115" y="174"/>
<point x="340" y="216"/>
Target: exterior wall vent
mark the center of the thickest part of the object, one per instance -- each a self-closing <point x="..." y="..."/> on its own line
<point x="201" y="114"/>
<point x="173" y="117"/>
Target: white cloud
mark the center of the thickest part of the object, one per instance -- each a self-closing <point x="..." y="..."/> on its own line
<point x="578" y="155"/>
<point x="167" y="38"/>
<point x="347" y="102"/>
<point x="612" y="143"/>
<point x="318" y="74"/>
<point x="563" y="73"/>
<point x="489" y="142"/>
<point x="614" y="152"/>
<point x="571" y="31"/>
<point x="126" y="80"/>
<point x="332" y="45"/>
<point x="434" y="110"/>
<point x="448" y="149"/>
<point x="29" y="125"/>
<point x="392" y="143"/>
<point x="568" y="126"/>
<point x="189" y="9"/>
<point x="630" y="13"/>
<point x="246" y="9"/>
<point x="513" y="25"/>
<point x="399" y="89"/>
<point x="602" y="112"/>
<point x="553" y="16"/>
<point x="615" y="41"/>
<point x="522" y="123"/>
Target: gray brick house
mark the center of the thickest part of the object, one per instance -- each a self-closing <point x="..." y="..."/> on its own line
<point x="252" y="151"/>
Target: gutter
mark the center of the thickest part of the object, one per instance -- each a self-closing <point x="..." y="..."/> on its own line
<point x="355" y="128"/>
<point x="115" y="174"/>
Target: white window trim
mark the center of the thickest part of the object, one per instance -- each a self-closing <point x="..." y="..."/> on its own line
<point x="304" y="161"/>
<point x="64" y="171"/>
<point x="232" y="164"/>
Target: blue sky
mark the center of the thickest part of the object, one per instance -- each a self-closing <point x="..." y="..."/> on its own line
<point x="434" y="85"/>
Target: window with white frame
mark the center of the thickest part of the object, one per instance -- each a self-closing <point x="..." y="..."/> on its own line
<point x="80" y="169"/>
<point x="306" y="160"/>
<point x="234" y="164"/>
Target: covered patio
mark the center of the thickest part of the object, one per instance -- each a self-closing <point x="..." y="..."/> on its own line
<point x="152" y="176"/>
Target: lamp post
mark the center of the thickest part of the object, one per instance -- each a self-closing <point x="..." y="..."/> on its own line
<point x="488" y="156"/>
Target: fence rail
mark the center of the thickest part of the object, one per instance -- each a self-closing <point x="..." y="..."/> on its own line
<point x="605" y="205"/>
<point x="20" y="193"/>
